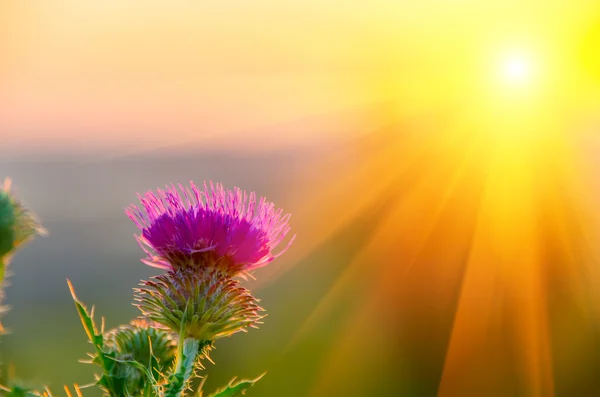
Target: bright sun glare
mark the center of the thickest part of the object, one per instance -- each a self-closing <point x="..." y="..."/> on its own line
<point x="516" y="69"/>
<point x="513" y="112"/>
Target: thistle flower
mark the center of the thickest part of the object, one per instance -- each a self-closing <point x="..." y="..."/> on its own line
<point x="210" y="227"/>
<point x="202" y="302"/>
<point x="18" y="225"/>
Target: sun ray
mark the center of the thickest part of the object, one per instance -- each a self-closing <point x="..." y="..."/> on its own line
<point x="502" y="313"/>
<point x="406" y="234"/>
<point x="412" y="190"/>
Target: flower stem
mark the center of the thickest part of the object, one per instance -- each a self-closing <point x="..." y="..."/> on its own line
<point x="187" y="351"/>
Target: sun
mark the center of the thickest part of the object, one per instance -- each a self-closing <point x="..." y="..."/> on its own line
<point x="515" y="76"/>
<point x="516" y="69"/>
<point x="513" y="110"/>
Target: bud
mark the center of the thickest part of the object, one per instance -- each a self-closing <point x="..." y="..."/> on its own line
<point x="154" y="349"/>
<point x="17" y="224"/>
<point x="202" y="302"/>
<point x="139" y="339"/>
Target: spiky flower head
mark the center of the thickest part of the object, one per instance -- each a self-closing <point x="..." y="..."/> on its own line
<point x="202" y="302"/>
<point x="138" y="342"/>
<point x="17" y="224"/>
<point x="209" y="227"/>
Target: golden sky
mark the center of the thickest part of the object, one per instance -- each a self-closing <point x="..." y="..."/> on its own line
<point x="152" y="72"/>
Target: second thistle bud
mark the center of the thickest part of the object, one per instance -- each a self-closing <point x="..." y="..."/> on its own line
<point x="203" y="303"/>
<point x="153" y="348"/>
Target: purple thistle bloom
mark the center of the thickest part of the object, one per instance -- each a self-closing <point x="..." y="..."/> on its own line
<point x="208" y="227"/>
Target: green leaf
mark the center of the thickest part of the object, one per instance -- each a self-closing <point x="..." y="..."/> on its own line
<point x="236" y="388"/>
<point x="87" y="321"/>
<point x="102" y="358"/>
<point x="150" y="385"/>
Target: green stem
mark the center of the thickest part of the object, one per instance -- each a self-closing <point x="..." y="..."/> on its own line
<point x="187" y="351"/>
